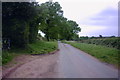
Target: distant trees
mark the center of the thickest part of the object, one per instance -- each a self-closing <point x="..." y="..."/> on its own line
<point x="93" y="37"/>
<point x="83" y="38"/>
<point x="100" y="36"/>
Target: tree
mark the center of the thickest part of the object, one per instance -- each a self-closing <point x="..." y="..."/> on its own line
<point x="22" y="20"/>
<point x="50" y="14"/>
<point x="54" y="25"/>
<point x="100" y="36"/>
<point x="16" y="21"/>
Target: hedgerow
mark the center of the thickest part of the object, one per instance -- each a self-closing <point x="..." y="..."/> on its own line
<point x="109" y="42"/>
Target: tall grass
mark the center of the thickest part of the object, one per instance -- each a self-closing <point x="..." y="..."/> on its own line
<point x="42" y="47"/>
<point x="39" y="47"/>
<point x="103" y="53"/>
<point x="7" y="57"/>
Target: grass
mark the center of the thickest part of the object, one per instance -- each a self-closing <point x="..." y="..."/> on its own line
<point x="7" y="57"/>
<point x="39" y="47"/>
<point x="103" y="53"/>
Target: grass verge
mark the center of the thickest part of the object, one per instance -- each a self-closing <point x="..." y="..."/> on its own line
<point x="105" y="54"/>
<point x="39" y="47"/>
<point x="42" y="47"/>
<point x="7" y="57"/>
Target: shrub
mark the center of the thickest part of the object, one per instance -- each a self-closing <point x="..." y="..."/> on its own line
<point x="109" y="42"/>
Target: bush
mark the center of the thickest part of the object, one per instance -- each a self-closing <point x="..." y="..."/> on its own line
<point x="109" y="42"/>
<point x="39" y="47"/>
<point x="6" y="57"/>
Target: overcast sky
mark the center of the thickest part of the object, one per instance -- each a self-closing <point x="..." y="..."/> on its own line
<point x="95" y="17"/>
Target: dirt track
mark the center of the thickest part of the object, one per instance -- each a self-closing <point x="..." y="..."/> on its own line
<point x="35" y="67"/>
<point x="69" y="62"/>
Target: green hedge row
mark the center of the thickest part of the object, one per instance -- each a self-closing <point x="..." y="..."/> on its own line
<point x="109" y="42"/>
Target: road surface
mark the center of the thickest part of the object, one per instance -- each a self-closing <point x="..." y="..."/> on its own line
<point x="69" y="62"/>
<point x="74" y="63"/>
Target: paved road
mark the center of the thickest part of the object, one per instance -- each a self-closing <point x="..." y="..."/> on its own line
<point x="74" y="63"/>
<point x="69" y="62"/>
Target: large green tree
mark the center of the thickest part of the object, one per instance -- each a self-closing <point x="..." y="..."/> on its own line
<point x="16" y="20"/>
<point x="50" y="14"/>
<point x="54" y="25"/>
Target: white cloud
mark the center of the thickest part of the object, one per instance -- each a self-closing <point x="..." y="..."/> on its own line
<point x="107" y="17"/>
<point x="88" y="30"/>
<point x="78" y="10"/>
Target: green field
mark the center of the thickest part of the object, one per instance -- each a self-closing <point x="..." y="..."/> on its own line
<point x="103" y="53"/>
<point x="39" y="47"/>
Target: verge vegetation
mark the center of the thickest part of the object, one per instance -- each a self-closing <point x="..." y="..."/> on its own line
<point x="109" y="42"/>
<point x="42" y="47"/>
<point x="103" y="53"/>
<point x="39" y="47"/>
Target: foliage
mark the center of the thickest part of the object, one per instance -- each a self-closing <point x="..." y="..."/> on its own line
<point x="109" y="55"/>
<point x="54" y="25"/>
<point x="109" y="42"/>
<point x="42" y="47"/>
<point x="16" y="19"/>
<point x="22" y="20"/>
<point x="83" y="38"/>
<point x="6" y="57"/>
<point x="39" y="47"/>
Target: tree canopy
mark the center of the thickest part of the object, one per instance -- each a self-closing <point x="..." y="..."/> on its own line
<point x="54" y="25"/>
<point x="22" y="20"/>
